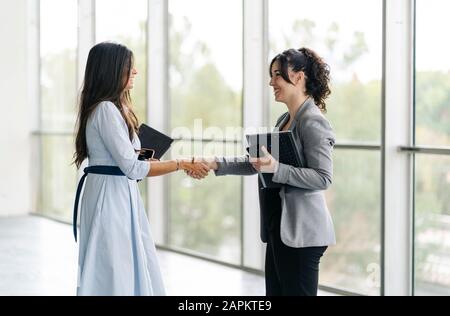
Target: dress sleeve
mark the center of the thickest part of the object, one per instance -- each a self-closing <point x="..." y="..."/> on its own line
<point x="114" y="134"/>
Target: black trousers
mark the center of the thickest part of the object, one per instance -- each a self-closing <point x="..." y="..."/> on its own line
<point x="291" y="271"/>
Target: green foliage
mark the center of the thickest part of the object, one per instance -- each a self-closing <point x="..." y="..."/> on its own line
<point x="354" y="110"/>
<point x="354" y="202"/>
<point x="57" y="183"/>
<point x="197" y="88"/>
<point x="433" y="107"/>
<point x="58" y="91"/>
<point x="357" y="49"/>
<point x="205" y="96"/>
<point x="333" y="36"/>
<point x="205" y="216"/>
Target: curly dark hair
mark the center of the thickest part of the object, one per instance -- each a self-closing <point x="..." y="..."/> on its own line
<point x="317" y="72"/>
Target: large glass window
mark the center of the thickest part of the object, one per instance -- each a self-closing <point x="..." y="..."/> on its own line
<point x="432" y="173"/>
<point x="353" y="264"/>
<point x="58" y="64"/>
<point x="58" y="44"/>
<point x="205" y="216"/>
<point x="352" y="46"/>
<point x="432" y="225"/>
<point x="205" y="86"/>
<point x="432" y="75"/>
<point x="125" y="22"/>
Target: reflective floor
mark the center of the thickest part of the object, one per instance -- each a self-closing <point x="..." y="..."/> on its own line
<point x="38" y="257"/>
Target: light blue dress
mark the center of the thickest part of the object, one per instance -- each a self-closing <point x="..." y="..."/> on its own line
<point x="117" y="254"/>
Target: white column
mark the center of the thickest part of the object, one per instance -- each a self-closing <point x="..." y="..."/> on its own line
<point x="16" y="121"/>
<point x="397" y="118"/>
<point x="86" y="35"/>
<point x="33" y="100"/>
<point x="255" y="107"/>
<point x="157" y="102"/>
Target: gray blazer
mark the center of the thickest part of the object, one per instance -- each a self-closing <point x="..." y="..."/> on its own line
<point x="305" y="219"/>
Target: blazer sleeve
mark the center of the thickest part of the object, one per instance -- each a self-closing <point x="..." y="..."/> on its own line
<point x="114" y="134"/>
<point x="240" y="166"/>
<point x="318" y="140"/>
<point x="234" y="166"/>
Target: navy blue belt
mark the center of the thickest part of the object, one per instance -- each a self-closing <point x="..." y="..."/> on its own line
<point x="105" y="170"/>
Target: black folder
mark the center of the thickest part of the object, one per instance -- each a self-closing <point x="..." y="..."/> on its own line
<point x="154" y="144"/>
<point x="280" y="145"/>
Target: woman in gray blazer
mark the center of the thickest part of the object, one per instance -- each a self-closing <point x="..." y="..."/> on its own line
<point x="295" y="221"/>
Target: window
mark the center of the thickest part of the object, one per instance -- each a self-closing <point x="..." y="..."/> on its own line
<point x="354" y="201"/>
<point x="205" y="88"/>
<point x="432" y="172"/>
<point x="352" y="46"/>
<point x="205" y="116"/>
<point x="432" y="225"/>
<point x="205" y="216"/>
<point x="58" y="44"/>
<point x="432" y="75"/>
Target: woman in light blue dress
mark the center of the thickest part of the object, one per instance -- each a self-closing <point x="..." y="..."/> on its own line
<point x="117" y="254"/>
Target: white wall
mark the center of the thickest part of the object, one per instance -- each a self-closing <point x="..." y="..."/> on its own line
<point x="16" y="117"/>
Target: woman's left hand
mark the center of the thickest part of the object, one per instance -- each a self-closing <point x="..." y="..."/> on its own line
<point x="267" y="164"/>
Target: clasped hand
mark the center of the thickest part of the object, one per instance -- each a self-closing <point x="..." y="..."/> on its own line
<point x="209" y="163"/>
<point x="266" y="164"/>
<point x="199" y="168"/>
<point x="196" y="168"/>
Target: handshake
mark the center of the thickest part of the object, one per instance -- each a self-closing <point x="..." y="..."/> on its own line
<point x="197" y="168"/>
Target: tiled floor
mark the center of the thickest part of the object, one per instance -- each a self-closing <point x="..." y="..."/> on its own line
<point x="39" y="257"/>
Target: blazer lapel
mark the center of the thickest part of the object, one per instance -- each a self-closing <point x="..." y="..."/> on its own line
<point x="282" y="122"/>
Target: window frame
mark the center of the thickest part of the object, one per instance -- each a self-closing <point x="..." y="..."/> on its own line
<point x="397" y="149"/>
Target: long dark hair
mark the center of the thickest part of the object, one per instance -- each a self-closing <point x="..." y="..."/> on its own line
<point x="317" y="72"/>
<point x="107" y="73"/>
